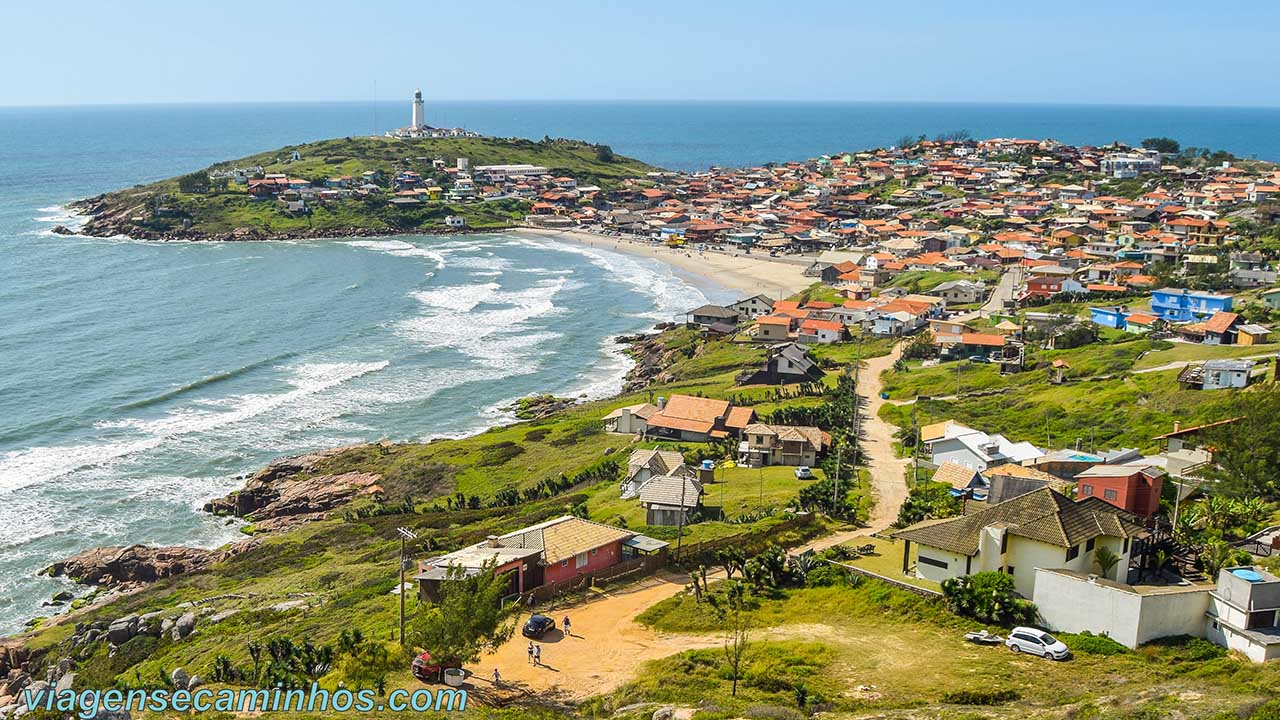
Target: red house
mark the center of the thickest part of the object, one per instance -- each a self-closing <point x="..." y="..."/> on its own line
<point x="1134" y="488"/>
<point x="542" y="554"/>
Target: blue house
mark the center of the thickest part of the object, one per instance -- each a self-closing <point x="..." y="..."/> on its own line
<point x="1112" y="317"/>
<point x="1182" y="305"/>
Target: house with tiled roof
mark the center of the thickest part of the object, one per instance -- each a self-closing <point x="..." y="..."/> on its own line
<point x="670" y="499"/>
<point x="549" y="552"/>
<point x="644" y="465"/>
<point x="1041" y="529"/>
<point x="782" y="445"/>
<point x="698" y="419"/>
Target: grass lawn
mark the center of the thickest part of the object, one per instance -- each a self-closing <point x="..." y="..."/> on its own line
<point x="886" y="560"/>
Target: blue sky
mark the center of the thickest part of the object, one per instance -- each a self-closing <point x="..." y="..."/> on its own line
<point x="1174" y="52"/>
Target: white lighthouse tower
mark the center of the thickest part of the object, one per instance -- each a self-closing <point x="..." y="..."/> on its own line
<point x="419" y="119"/>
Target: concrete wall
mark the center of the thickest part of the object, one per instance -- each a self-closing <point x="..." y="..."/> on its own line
<point x="1070" y="603"/>
<point x="955" y="564"/>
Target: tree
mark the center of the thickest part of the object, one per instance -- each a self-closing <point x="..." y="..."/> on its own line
<point x="1163" y="145"/>
<point x="733" y="558"/>
<point x="737" y="631"/>
<point x="1246" y="461"/>
<point x="196" y="182"/>
<point x="467" y="620"/>
<point x="1107" y="559"/>
<point x="604" y="154"/>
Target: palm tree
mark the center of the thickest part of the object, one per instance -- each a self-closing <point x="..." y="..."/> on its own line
<point x="1107" y="559"/>
<point x="1218" y="512"/>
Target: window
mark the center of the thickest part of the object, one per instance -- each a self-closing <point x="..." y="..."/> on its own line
<point x="1088" y="547"/>
<point x="1009" y="569"/>
<point x="1126" y="545"/>
<point x="1073" y="552"/>
<point x="930" y="561"/>
<point x="564" y="563"/>
<point x="1004" y="542"/>
<point x="1110" y="495"/>
<point x="596" y="550"/>
<point x="1086" y="489"/>
<point x="580" y="560"/>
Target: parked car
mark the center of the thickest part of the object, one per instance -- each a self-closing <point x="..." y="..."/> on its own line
<point x="538" y="626"/>
<point x="426" y="669"/>
<point x="1037" y="642"/>
<point x="804" y="473"/>
<point x="979" y="359"/>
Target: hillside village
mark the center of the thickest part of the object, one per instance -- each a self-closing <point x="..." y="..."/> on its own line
<point x="1031" y="388"/>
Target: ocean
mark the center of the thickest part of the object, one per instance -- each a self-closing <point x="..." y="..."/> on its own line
<point x="138" y="380"/>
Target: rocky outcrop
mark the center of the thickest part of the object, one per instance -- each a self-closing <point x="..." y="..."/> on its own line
<point x="138" y="564"/>
<point x="286" y="494"/>
<point x="537" y="407"/>
<point x="108" y="566"/>
<point x="652" y="358"/>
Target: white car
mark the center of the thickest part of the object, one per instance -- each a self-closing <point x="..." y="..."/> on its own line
<point x="1037" y="642"/>
<point x="804" y="473"/>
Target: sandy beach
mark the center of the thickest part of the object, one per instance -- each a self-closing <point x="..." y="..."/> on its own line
<point x="752" y="274"/>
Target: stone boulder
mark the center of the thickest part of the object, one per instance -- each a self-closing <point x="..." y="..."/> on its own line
<point x="109" y="566"/>
<point x="181" y="680"/>
<point x="183" y="626"/>
<point x="122" y="630"/>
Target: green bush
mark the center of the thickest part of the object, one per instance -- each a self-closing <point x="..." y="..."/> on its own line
<point x="988" y="596"/>
<point x="1089" y="644"/>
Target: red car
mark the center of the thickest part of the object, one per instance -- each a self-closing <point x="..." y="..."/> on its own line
<point x="428" y="670"/>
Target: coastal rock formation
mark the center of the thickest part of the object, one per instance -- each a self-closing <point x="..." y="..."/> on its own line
<point x="108" y="566"/>
<point x="115" y="566"/>
<point x="651" y="357"/>
<point x="537" y="407"/>
<point x="284" y="494"/>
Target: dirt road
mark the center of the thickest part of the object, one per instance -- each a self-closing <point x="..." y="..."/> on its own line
<point x="608" y="643"/>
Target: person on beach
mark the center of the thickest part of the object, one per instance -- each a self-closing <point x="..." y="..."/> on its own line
<point x="537" y="654"/>
<point x="568" y="629"/>
<point x="531" y="651"/>
<point x="497" y="678"/>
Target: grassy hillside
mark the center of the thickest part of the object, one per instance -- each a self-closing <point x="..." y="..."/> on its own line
<point x="163" y="209"/>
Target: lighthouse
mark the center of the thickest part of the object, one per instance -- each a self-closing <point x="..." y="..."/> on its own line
<point x="419" y="120"/>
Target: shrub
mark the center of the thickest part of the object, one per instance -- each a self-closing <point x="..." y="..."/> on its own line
<point x="1090" y="644"/>
<point x="499" y="453"/>
<point x="989" y="597"/>
<point x="980" y="696"/>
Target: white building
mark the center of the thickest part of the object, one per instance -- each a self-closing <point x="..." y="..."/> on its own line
<point x="419" y="119"/>
<point x="950" y="441"/>
<point x="1041" y="529"/>
<point x="1243" y="611"/>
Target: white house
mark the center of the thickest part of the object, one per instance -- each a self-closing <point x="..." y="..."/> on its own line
<point x="1243" y="613"/>
<point x="644" y="465"/>
<point x="630" y="420"/>
<point x="753" y="307"/>
<point x="952" y="442"/>
<point x="1042" y="529"/>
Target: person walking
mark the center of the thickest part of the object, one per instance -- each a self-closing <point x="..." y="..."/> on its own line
<point x="530" y="651"/>
<point x="568" y="629"/>
<point x="497" y="678"/>
<point x="537" y="654"/>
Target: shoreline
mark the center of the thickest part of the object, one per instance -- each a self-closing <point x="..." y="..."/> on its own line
<point x="751" y="274"/>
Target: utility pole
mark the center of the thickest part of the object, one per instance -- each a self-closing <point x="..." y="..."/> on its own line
<point x="405" y="535"/>
<point x="915" y="450"/>
<point x="680" y="528"/>
<point x="835" y="493"/>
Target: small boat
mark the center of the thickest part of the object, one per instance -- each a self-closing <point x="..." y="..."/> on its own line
<point x="983" y="638"/>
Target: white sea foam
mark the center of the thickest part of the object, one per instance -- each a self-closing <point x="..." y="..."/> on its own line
<point x="41" y="464"/>
<point x="399" y="248"/>
<point x="461" y="298"/>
